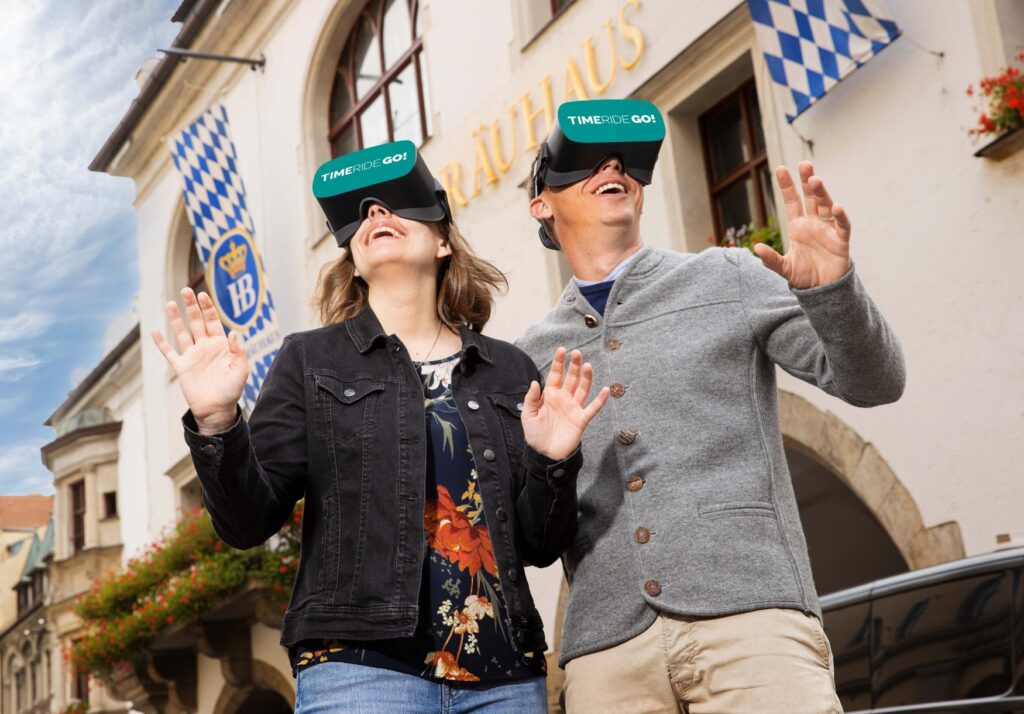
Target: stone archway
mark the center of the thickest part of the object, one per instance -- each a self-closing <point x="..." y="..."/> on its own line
<point x="828" y="440"/>
<point x="268" y="691"/>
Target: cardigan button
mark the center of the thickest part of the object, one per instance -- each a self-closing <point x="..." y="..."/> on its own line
<point x="634" y="483"/>
<point x="616" y="389"/>
<point x="513" y="575"/>
<point x="612" y="345"/>
<point x="642" y="535"/>
<point x="501" y="514"/>
<point x="488" y="455"/>
<point x="590" y="321"/>
<point x="652" y="588"/>
<point x="628" y="436"/>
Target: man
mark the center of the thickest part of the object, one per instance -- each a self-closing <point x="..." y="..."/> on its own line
<point x="690" y="584"/>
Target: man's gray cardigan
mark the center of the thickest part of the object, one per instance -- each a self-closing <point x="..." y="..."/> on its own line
<point x="686" y="504"/>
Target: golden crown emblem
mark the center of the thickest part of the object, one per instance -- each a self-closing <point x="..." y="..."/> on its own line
<point x="234" y="260"/>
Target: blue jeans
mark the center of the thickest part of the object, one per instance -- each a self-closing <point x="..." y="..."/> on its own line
<point x="331" y="687"/>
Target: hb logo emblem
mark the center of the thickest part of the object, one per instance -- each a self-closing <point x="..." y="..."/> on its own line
<point x="238" y="285"/>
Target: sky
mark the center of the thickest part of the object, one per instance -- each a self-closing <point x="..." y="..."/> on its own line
<point x="68" y="252"/>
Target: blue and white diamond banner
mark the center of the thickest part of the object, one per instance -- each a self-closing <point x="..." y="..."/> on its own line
<point x="205" y="158"/>
<point x="811" y="45"/>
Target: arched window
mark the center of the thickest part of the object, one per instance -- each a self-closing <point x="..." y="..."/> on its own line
<point x="378" y="93"/>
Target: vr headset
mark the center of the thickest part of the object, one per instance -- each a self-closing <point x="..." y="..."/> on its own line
<point x="585" y="133"/>
<point x="394" y="175"/>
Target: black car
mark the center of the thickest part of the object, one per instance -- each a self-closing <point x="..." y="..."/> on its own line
<point x="948" y="638"/>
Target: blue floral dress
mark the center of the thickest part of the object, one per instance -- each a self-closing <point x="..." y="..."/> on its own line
<point x="461" y="634"/>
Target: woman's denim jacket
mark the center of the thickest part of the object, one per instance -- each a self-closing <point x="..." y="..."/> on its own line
<point x="340" y="422"/>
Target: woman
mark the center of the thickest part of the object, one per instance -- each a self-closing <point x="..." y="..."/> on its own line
<point x="433" y="469"/>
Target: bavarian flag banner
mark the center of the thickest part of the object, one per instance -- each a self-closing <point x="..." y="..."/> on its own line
<point x="811" y="45"/>
<point x="223" y="230"/>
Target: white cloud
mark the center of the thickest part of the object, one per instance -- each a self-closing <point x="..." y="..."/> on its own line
<point x="24" y="326"/>
<point x="63" y="79"/>
<point x="78" y="374"/>
<point x="11" y="365"/>
<point x="22" y="470"/>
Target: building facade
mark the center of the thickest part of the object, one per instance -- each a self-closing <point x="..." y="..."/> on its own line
<point x="475" y="85"/>
<point x="26" y="640"/>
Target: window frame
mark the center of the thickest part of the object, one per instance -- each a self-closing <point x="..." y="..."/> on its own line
<point x="345" y="68"/>
<point x="109" y="505"/>
<point x="77" y="535"/>
<point x="747" y="93"/>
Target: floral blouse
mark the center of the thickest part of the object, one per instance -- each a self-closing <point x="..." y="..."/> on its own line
<point x="461" y="633"/>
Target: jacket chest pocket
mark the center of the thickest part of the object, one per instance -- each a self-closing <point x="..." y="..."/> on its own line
<point x="349" y="409"/>
<point x="509" y="409"/>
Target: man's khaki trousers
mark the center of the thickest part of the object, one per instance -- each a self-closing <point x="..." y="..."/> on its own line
<point x="761" y="662"/>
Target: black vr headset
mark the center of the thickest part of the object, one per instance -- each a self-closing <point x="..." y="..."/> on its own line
<point x="585" y="133"/>
<point x="391" y="174"/>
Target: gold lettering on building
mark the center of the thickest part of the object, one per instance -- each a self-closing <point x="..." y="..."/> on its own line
<point x="531" y="106"/>
<point x="529" y="115"/>
<point x="496" y="150"/>
<point x="593" y="80"/>
<point x="573" y="81"/>
<point x="481" y="165"/>
<point x="631" y="33"/>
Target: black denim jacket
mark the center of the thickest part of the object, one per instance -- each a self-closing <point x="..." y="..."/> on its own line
<point x="340" y="420"/>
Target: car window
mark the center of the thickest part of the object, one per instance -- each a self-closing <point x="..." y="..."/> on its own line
<point x="945" y="641"/>
<point x="849" y="632"/>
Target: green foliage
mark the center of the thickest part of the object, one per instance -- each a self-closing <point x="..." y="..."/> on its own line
<point x="180" y="576"/>
<point x="748" y="236"/>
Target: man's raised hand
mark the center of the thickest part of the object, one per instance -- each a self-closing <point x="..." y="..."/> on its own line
<point x="819" y="233"/>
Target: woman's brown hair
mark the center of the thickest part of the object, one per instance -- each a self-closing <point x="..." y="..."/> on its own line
<point x="466" y="284"/>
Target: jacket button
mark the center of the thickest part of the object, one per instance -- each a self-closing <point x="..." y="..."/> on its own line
<point x="520" y="637"/>
<point x="513" y="575"/>
<point x="350" y="392"/>
<point x="463" y="367"/>
<point x="590" y="321"/>
<point x="616" y="389"/>
<point x="634" y="483"/>
<point x="652" y="588"/>
<point x="642" y="535"/>
<point x="627" y="436"/>
<point x="501" y="515"/>
<point x="612" y="345"/>
<point x="519" y="406"/>
<point x="558" y="473"/>
<point x="473" y="405"/>
<point x="209" y="450"/>
<point x="488" y="455"/>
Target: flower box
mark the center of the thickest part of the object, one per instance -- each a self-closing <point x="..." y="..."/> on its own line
<point x="1005" y="145"/>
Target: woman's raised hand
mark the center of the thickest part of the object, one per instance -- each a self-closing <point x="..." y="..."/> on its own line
<point x="554" y="420"/>
<point x="211" y="368"/>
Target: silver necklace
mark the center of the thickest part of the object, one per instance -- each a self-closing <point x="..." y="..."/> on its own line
<point x="436" y="338"/>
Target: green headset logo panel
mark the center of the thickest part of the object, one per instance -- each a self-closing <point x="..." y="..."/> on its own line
<point x="602" y="121"/>
<point x="368" y="167"/>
